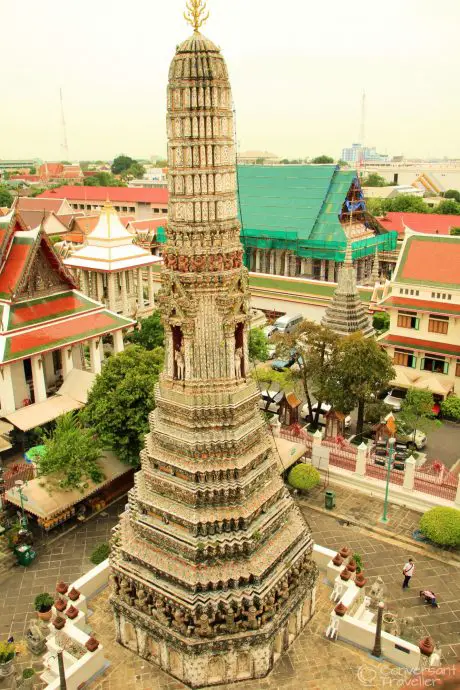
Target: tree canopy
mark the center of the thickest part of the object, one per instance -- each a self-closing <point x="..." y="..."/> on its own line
<point x="361" y="371"/>
<point x="149" y="332"/>
<point x="452" y="194"/>
<point x="122" y="163"/>
<point x="121" y="399"/>
<point x="6" y="198"/>
<point x="416" y="411"/>
<point x="102" y="179"/>
<point x="322" y="159"/>
<point x="71" y="455"/>
<point x="373" y="180"/>
<point x="449" y="207"/>
<point x="258" y="345"/>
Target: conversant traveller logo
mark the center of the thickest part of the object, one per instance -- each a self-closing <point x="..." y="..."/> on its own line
<point x="395" y="677"/>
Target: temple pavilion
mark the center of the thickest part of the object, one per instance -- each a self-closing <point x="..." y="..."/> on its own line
<point x="45" y="321"/>
<point x="114" y="270"/>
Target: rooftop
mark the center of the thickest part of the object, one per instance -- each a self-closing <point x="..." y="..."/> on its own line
<point x="152" y="195"/>
<point x="433" y="223"/>
<point x="429" y="260"/>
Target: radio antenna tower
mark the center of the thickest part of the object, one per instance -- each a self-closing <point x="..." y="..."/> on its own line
<point x="65" y="145"/>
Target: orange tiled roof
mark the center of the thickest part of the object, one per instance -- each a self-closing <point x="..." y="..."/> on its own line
<point x="430" y="260"/>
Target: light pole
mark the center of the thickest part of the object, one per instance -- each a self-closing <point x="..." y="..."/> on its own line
<point x="377" y="651"/>
<point x="391" y="450"/>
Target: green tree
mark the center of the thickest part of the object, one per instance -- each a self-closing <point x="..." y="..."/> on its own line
<point x="373" y="180"/>
<point x="260" y="161"/>
<point x="362" y="371"/>
<point x="33" y="170"/>
<point x="381" y="321"/>
<point x="342" y="163"/>
<point x="121" y="399"/>
<point x="135" y="170"/>
<point x="304" y="477"/>
<point x="6" y="198"/>
<point x="375" y="206"/>
<point x="406" y="203"/>
<point x="455" y="231"/>
<point x="84" y="165"/>
<point x="416" y="412"/>
<point x="163" y="163"/>
<point x="448" y="207"/>
<point x="102" y="179"/>
<point x="258" y="345"/>
<point x="322" y="159"/>
<point x="121" y="163"/>
<point x="149" y="332"/>
<point x="450" y="407"/>
<point x="72" y="454"/>
<point x="452" y="194"/>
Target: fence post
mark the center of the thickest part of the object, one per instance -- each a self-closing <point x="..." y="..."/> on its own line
<point x="319" y="455"/>
<point x="409" y="473"/>
<point x="361" y="460"/>
<point x="457" y="497"/>
<point x="275" y="425"/>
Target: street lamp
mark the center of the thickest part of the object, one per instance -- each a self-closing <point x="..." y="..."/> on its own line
<point x="19" y="483"/>
<point x="391" y="450"/>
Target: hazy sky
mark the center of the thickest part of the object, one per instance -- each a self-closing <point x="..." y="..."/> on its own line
<point x="297" y="68"/>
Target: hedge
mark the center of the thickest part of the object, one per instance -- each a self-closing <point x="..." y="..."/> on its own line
<point x="442" y="525"/>
<point x="304" y="477"/>
<point x="450" y="407"/>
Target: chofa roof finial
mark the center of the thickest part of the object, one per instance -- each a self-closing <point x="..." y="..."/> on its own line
<point x="196" y="14"/>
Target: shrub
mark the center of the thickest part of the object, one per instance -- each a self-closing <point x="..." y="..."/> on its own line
<point x="450" y="407"/>
<point x="7" y="652"/>
<point x="442" y="525"/>
<point x="100" y="553"/>
<point x="304" y="477"/>
<point x="43" y="602"/>
<point x="28" y="673"/>
<point x="359" y="562"/>
<point x="381" y="321"/>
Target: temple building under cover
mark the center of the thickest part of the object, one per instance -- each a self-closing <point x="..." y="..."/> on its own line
<point x="212" y="577"/>
<point x="45" y="320"/>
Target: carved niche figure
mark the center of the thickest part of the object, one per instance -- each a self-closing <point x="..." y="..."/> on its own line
<point x="141" y="600"/>
<point x="183" y="263"/>
<point x="238" y="362"/>
<point x="160" y="612"/>
<point x="180" y="364"/>
<point x="113" y="581"/>
<point x="179" y="621"/>
<point x="125" y="591"/>
<point x="203" y="626"/>
<point x="252" y="622"/>
<point x="228" y="262"/>
<point x="268" y="609"/>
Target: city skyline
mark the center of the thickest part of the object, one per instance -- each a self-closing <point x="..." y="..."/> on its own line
<point x="310" y="68"/>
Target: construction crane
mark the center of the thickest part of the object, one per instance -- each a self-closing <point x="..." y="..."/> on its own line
<point x="65" y="145"/>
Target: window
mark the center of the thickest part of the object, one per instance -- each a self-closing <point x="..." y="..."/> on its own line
<point x="433" y="295"/>
<point x="405" y="358"/>
<point x="438" y="324"/>
<point x="408" y="319"/>
<point x="457" y="368"/>
<point x="436" y="364"/>
<point x="164" y="210"/>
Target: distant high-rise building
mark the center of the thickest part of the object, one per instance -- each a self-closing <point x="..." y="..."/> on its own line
<point x="365" y="153"/>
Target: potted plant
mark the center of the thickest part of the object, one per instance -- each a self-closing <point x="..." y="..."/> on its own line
<point x="28" y="678"/>
<point x="7" y="653"/>
<point x="43" y="603"/>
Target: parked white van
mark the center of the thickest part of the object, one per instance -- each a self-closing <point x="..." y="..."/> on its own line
<point x="286" y="323"/>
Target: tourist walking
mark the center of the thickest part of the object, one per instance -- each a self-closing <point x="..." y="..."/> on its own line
<point x="408" y="571"/>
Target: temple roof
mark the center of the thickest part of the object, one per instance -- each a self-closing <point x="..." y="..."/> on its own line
<point x="109" y="247"/>
<point x="429" y="260"/>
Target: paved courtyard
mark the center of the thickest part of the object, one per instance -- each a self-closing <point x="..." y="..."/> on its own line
<point x="304" y="666"/>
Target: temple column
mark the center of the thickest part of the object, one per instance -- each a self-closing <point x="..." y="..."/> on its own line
<point x="257" y="260"/>
<point x="111" y="292"/>
<point x="124" y="294"/>
<point x="322" y="275"/>
<point x="38" y="377"/>
<point x="140" y="289"/>
<point x="6" y="390"/>
<point x="272" y="261"/>
<point x="100" y="287"/>
<point x="309" y="267"/>
<point x="67" y="361"/>
<point x="278" y="262"/>
<point x="95" y="357"/>
<point x="150" y="284"/>
<point x="292" y="265"/>
<point x="118" y="344"/>
<point x="287" y="255"/>
<point x="84" y="283"/>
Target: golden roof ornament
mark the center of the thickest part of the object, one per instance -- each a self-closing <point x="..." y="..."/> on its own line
<point x="196" y="14"/>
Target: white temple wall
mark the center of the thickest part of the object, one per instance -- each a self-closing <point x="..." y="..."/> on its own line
<point x="20" y="387"/>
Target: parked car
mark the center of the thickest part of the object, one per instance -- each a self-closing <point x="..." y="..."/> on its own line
<point x="269" y="330"/>
<point x="325" y="408"/>
<point x="287" y="363"/>
<point x="270" y="400"/>
<point x="286" y="323"/>
<point x="395" y="397"/>
<point x="408" y="438"/>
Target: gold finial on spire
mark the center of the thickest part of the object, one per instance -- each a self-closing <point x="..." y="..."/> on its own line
<point x="196" y="14"/>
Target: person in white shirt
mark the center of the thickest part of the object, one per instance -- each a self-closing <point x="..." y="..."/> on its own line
<point x="408" y="571"/>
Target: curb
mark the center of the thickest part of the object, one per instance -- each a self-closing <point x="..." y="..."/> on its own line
<point x="386" y="535"/>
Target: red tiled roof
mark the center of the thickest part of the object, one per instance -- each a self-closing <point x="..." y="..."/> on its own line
<point x="52" y="307"/>
<point x="14" y="266"/>
<point x="54" y="335"/>
<point x="27" y="203"/>
<point x="430" y="260"/>
<point x="421" y="305"/>
<point x="424" y="345"/>
<point x="26" y="178"/>
<point x="433" y="223"/>
<point x="148" y="224"/>
<point x="50" y="169"/>
<point x="114" y="194"/>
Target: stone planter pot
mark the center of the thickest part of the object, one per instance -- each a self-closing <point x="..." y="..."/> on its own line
<point x="337" y="560"/>
<point x="345" y="552"/>
<point x="360" y="580"/>
<point x="60" y="605"/>
<point x="426" y="646"/>
<point x="74" y="594"/>
<point x="351" y="566"/>
<point x="7" y="669"/>
<point x="345" y="575"/>
<point x="29" y="682"/>
<point x="340" y="609"/>
<point x="61" y="587"/>
<point x="92" y="644"/>
<point x="59" y="623"/>
<point x="72" y="612"/>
